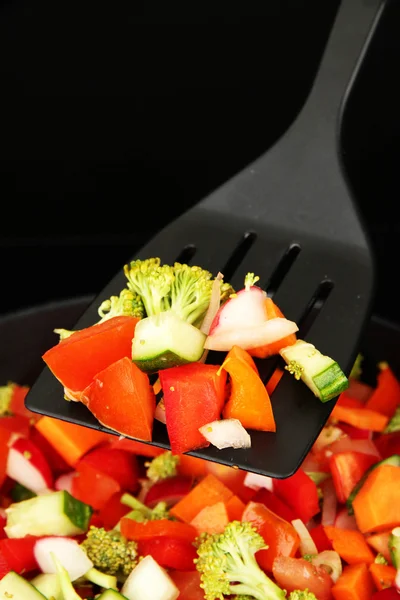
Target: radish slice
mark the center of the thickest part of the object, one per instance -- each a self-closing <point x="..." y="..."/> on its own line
<point x="27" y="465"/>
<point x="226" y="433"/>
<point x="307" y="544"/>
<point x="331" y="561"/>
<point x="149" y="581"/>
<point x="70" y="554"/>
<point x="64" y="482"/>
<point x="245" y="309"/>
<point x="345" y="521"/>
<point x="329" y="503"/>
<point x="214" y="305"/>
<point x="255" y="481"/>
<point x="264" y="333"/>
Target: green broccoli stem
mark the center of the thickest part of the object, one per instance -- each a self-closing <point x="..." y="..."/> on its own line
<point x="134" y="503"/>
<point x="101" y="579"/>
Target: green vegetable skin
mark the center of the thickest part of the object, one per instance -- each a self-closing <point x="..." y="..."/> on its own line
<point x="14" y="587"/>
<point x="391" y="460"/>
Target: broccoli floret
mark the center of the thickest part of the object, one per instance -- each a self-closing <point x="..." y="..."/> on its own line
<point x="126" y="304"/>
<point x="162" y="466"/>
<point x="142" y="513"/>
<point x="295" y="369"/>
<point x="394" y="423"/>
<point x="183" y="289"/>
<point x="6" y="393"/>
<point x="302" y="595"/>
<point x="250" y="280"/>
<point x="380" y="559"/>
<point x="227" y="564"/>
<point x="110" y="551"/>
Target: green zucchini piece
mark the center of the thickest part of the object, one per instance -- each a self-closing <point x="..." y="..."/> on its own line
<point x="164" y="340"/>
<point x="48" y="584"/>
<point x="14" y="586"/>
<point x="111" y="595"/>
<point x="19" y="493"/>
<point x="393" y="460"/>
<point x="320" y="373"/>
<point x="394" y="547"/>
<point x="56" y="513"/>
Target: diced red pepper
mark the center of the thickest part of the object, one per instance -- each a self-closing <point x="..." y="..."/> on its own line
<point x="3" y="522"/>
<point x="12" y="425"/>
<point x="118" y="464"/>
<point x="388" y="444"/>
<point x="136" y="447"/>
<point x="386" y="396"/>
<point x="122" y="399"/>
<point x="75" y="360"/>
<point x="387" y="594"/>
<point x="355" y="433"/>
<point x="300" y="492"/>
<point x="169" y="490"/>
<point x="17" y="554"/>
<point x="112" y="511"/>
<point x="280" y="536"/>
<point x="188" y="584"/>
<point x="320" y="538"/>
<point x="133" y="530"/>
<point x="194" y="395"/>
<point x="274" y="503"/>
<point x="347" y="468"/>
<point x="93" y="487"/>
<point x="170" y="553"/>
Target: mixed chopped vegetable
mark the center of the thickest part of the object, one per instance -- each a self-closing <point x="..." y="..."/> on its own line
<point x="146" y="358"/>
<point x="89" y="515"/>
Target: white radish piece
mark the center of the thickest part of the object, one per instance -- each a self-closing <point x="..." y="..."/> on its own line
<point x="264" y="333"/>
<point x="27" y="465"/>
<point x="149" y="581"/>
<point x="68" y="551"/>
<point x="245" y="309"/>
<point x="255" y="481"/>
<point x="64" y="482"/>
<point x="307" y="544"/>
<point x="226" y="433"/>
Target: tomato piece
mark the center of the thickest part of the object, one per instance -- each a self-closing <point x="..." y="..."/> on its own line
<point x="300" y="492"/>
<point x="280" y="536"/>
<point x="170" y="553"/>
<point x="169" y="490"/>
<point x="347" y="468"/>
<point x="18" y="553"/>
<point x="118" y="464"/>
<point x="93" y="487"/>
<point x="299" y="574"/>
<point x="188" y="584"/>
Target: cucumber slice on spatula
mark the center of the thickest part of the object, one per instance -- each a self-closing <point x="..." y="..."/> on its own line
<point x="289" y="218"/>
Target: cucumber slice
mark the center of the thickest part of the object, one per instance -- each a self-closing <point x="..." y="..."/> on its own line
<point x="320" y="373"/>
<point x="393" y="460"/>
<point x="111" y="595"/>
<point x="164" y="340"/>
<point x="394" y="547"/>
<point x="14" y="586"/>
<point x="56" y="513"/>
<point x="48" y="584"/>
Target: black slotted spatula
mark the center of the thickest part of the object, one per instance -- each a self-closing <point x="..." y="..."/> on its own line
<point x="290" y="219"/>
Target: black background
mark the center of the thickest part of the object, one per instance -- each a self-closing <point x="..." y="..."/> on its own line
<point x="115" y="118"/>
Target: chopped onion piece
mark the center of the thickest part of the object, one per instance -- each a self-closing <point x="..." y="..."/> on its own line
<point x="307" y="544"/>
<point x="226" y="433"/>
<point x="330" y="561"/>
<point x="255" y="481"/>
<point x="329" y="503"/>
<point x="214" y="305"/>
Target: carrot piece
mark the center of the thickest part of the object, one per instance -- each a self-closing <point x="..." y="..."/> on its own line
<point x="273" y="312"/>
<point x="382" y="575"/>
<point x="69" y="440"/>
<point x="211" y="519"/>
<point x="235" y="507"/>
<point x="355" y="583"/>
<point x="133" y="530"/>
<point x="274" y="380"/>
<point x="207" y="492"/>
<point x="249" y="401"/>
<point x="377" y="504"/>
<point x="363" y="418"/>
<point x="350" y="544"/>
<point x="380" y="543"/>
<point x="386" y="396"/>
<point x="192" y="466"/>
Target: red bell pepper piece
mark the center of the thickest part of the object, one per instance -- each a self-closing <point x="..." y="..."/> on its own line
<point x="169" y="490"/>
<point x="118" y="464"/>
<point x="188" y="584"/>
<point x="75" y="360"/>
<point x="280" y="536"/>
<point x="300" y="492"/>
<point x="194" y="395"/>
<point x="355" y="433"/>
<point x="136" y="447"/>
<point x="133" y="530"/>
<point x="93" y="487"/>
<point x="3" y="522"/>
<point x="388" y="444"/>
<point x="17" y="555"/>
<point x="122" y="399"/>
<point x="112" y="511"/>
<point x="170" y="553"/>
<point x="320" y="538"/>
<point x="274" y="503"/>
<point x="15" y="424"/>
<point x="387" y="594"/>
<point x="386" y="396"/>
<point x="347" y="468"/>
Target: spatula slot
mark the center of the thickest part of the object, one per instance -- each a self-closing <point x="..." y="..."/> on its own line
<point x="186" y="255"/>
<point x="282" y="269"/>
<point x="238" y="254"/>
<point x="314" y="307"/>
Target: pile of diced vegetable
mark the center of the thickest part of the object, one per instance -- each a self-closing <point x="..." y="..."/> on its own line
<point x="148" y="356"/>
<point x="86" y="514"/>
